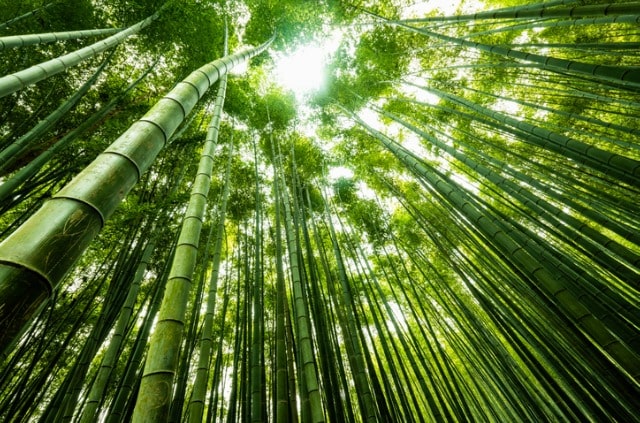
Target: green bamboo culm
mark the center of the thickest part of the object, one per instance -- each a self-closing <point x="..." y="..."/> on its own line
<point x="300" y="311"/>
<point x="110" y="358"/>
<point x="15" y="41"/>
<point x="196" y="405"/>
<point x="541" y="10"/>
<point x="13" y="152"/>
<point x="155" y="395"/>
<point x="282" y="406"/>
<point x="33" y="12"/>
<point x="37" y="255"/>
<point x="619" y="19"/>
<point x="627" y="77"/>
<point x="197" y="401"/>
<point x="16" y="81"/>
<point x="617" y="166"/>
<point x="572" y="227"/>
<point x="368" y="405"/>
<point x="506" y="239"/>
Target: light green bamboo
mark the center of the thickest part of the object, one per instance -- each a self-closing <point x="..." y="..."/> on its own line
<point x="154" y="397"/>
<point x="282" y="406"/>
<point x="620" y="167"/>
<point x="498" y="233"/>
<point x="623" y="76"/>
<point x="303" y="327"/>
<point x="257" y="386"/>
<point x="573" y="228"/>
<point x="109" y="360"/>
<point x="622" y="19"/>
<point x="195" y="409"/>
<point x="196" y="403"/>
<point x="591" y="47"/>
<point x="35" y="257"/>
<point x="8" y="23"/>
<point x="15" y="41"/>
<point x="331" y="366"/>
<point x="9" y="155"/>
<point x="21" y="79"/>
<point x="542" y="11"/>
<point x="592" y="294"/>
<point x="128" y="381"/>
<point x="368" y="407"/>
<point x="576" y="116"/>
<point x="526" y="298"/>
<point x="237" y="341"/>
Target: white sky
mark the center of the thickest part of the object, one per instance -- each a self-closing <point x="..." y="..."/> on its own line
<point x="303" y="71"/>
<point x="338" y="172"/>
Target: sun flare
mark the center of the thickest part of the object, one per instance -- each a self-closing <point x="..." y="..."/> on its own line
<point x="303" y="71"/>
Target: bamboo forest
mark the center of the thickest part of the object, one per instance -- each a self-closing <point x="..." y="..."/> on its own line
<point x="319" y="211"/>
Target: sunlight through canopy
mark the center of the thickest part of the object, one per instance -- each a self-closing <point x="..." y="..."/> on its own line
<point x="303" y="71"/>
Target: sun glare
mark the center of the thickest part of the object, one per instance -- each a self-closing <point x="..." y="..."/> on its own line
<point x="338" y="172"/>
<point x="303" y="71"/>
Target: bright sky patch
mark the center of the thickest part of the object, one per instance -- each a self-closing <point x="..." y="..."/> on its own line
<point x="303" y="71"/>
<point x="336" y="173"/>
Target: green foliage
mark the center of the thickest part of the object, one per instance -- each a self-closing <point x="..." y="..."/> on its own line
<point x="294" y="23"/>
<point x="280" y="110"/>
<point x="345" y="190"/>
<point x="275" y="109"/>
<point x="242" y="200"/>
<point x="190" y="32"/>
<point x="61" y="16"/>
<point x="305" y="158"/>
<point x="380" y="58"/>
<point x="240" y="101"/>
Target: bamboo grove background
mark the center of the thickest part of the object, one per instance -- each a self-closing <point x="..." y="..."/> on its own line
<point x="447" y="231"/>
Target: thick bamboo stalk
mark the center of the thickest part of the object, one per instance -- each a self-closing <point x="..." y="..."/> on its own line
<point x="35" y="257"/>
<point x="196" y="404"/>
<point x="154" y="398"/>
<point x="197" y="401"/>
